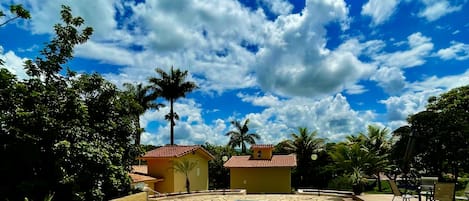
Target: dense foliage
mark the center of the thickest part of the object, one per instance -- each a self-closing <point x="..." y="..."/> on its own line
<point x="437" y="139"/>
<point x="305" y="144"/>
<point x="219" y="176"/>
<point x="70" y="135"/>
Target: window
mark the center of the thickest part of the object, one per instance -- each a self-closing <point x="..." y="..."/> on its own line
<point x="259" y="154"/>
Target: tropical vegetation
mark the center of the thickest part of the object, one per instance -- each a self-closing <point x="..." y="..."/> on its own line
<point x="185" y="167"/>
<point x="171" y="86"/>
<point x="66" y="136"/>
<point x="240" y="136"/>
<point x="144" y="100"/>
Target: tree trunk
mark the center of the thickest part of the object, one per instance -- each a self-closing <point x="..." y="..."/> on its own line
<point x="137" y="130"/>
<point x="243" y="148"/>
<point x="379" y="182"/>
<point x="188" y="184"/>
<point x="171" y="114"/>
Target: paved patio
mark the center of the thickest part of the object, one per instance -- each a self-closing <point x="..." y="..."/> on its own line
<point x="260" y="197"/>
<point x="382" y="197"/>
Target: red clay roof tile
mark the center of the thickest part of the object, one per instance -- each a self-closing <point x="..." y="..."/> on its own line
<point x="261" y="146"/>
<point x="275" y="161"/>
<point x="142" y="169"/>
<point x="139" y="178"/>
<point x="175" y="151"/>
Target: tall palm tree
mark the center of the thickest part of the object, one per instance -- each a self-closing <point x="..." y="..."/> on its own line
<point x="240" y="137"/>
<point x="171" y="86"/>
<point x="185" y="167"/>
<point x="304" y="145"/>
<point x="144" y="100"/>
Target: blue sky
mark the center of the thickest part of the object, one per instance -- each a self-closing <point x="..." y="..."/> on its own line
<point x="329" y="65"/>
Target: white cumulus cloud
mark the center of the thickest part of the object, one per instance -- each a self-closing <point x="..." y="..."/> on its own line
<point x="420" y="48"/>
<point x="379" y="10"/>
<point x="457" y="50"/>
<point x="295" y="62"/>
<point x="279" y="7"/>
<point x="13" y="63"/>
<point x="435" y="9"/>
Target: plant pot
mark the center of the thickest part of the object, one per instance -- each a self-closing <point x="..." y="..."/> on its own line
<point x="357" y="189"/>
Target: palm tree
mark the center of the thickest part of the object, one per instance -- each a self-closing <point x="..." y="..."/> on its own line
<point x="144" y="100"/>
<point x="304" y="145"/>
<point x="240" y="137"/>
<point x="185" y="167"/>
<point x="378" y="142"/>
<point x="171" y="86"/>
<point x="377" y="139"/>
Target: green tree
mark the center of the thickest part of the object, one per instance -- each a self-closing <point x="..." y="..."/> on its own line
<point x="18" y="11"/>
<point x="240" y="136"/>
<point x="304" y="145"/>
<point x="185" y="167"/>
<point x="219" y="176"/>
<point x="171" y="86"/>
<point x="64" y="134"/>
<point x="144" y="100"/>
<point x="443" y="126"/>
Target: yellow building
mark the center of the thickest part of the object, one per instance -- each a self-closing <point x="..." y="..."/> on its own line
<point x="262" y="172"/>
<point x="160" y="163"/>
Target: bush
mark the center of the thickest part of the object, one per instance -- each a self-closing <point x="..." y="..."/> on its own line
<point x="340" y="183"/>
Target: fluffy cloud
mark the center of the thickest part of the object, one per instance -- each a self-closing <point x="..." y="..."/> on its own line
<point x="435" y="9"/>
<point x="191" y="35"/>
<point x="420" y="48"/>
<point x="392" y="80"/>
<point x="295" y="62"/>
<point x="100" y="15"/>
<point x="379" y="10"/>
<point x="13" y="63"/>
<point x="331" y="116"/>
<point x="457" y="50"/>
<point x="415" y="98"/>
<point x="191" y="129"/>
<point x="279" y="7"/>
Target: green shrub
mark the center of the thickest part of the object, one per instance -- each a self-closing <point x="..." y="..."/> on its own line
<point x="340" y="183"/>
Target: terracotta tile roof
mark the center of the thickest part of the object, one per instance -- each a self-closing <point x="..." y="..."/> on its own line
<point x="175" y="151"/>
<point x="143" y="169"/>
<point x="261" y="146"/>
<point x="276" y="161"/>
<point x="140" y="178"/>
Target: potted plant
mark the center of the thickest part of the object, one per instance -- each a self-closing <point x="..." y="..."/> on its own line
<point x="358" y="181"/>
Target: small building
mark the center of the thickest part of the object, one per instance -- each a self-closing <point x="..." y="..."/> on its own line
<point x="262" y="172"/>
<point x="140" y="175"/>
<point x="160" y="163"/>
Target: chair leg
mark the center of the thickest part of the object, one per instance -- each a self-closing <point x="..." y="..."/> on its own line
<point x="393" y="198"/>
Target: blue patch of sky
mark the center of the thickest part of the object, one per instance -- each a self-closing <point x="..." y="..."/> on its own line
<point x="254" y="48"/>
<point x="17" y="39"/>
<point x="80" y="64"/>
<point x="222" y="53"/>
<point x="252" y="5"/>
<point x="153" y="126"/>
<point x="204" y="33"/>
<point x="369" y="100"/>
<point x="334" y="33"/>
<point x="298" y="6"/>
<point x="226" y="105"/>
